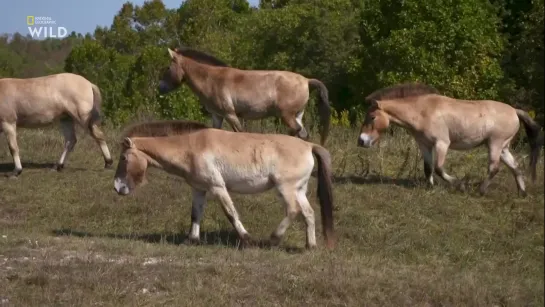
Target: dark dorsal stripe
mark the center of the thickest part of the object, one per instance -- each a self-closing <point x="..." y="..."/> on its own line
<point x="200" y="56"/>
<point x="162" y="128"/>
<point x="402" y="90"/>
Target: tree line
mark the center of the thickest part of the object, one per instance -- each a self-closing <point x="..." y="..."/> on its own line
<point x="467" y="49"/>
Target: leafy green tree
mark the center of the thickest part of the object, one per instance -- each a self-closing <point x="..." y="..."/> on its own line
<point x="453" y="45"/>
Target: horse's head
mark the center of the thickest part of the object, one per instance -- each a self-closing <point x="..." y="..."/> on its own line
<point x="174" y="74"/>
<point x="131" y="168"/>
<point x="375" y="122"/>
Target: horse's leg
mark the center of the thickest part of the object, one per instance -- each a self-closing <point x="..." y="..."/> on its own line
<point x="197" y="210"/>
<point x="303" y="134"/>
<point x="98" y="135"/>
<point x="441" y="149"/>
<point x="494" y="153"/>
<point x="232" y="119"/>
<point x="69" y="132"/>
<point x="295" y="125"/>
<point x="308" y="213"/>
<point x="289" y="197"/>
<point x="11" y="135"/>
<point x="217" y="121"/>
<point x="229" y="209"/>
<point x="427" y="155"/>
<point x="507" y="158"/>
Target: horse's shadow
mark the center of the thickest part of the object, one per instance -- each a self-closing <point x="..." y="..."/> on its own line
<point x="377" y="180"/>
<point x="466" y="185"/>
<point x="212" y="238"/>
<point x="8" y="167"/>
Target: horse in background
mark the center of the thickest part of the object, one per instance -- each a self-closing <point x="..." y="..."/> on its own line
<point x="230" y="93"/>
<point x="218" y="162"/>
<point x="439" y="122"/>
<point x="38" y="102"/>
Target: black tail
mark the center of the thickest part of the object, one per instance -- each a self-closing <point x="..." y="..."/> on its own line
<point x="97" y="104"/>
<point x="323" y="108"/>
<point x="325" y="192"/>
<point x="536" y="141"/>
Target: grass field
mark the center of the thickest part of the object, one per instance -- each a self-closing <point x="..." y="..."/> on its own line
<point x="68" y="239"/>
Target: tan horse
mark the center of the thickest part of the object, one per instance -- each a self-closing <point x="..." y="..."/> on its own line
<point x="38" y="102"/>
<point x="217" y="162"/>
<point x="232" y="93"/>
<point x="439" y="122"/>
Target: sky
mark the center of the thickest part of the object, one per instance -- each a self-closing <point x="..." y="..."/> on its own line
<point x="81" y="16"/>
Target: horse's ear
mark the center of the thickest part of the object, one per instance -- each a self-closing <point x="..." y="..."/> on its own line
<point x="127" y="143"/>
<point x="373" y="104"/>
<point x="172" y="53"/>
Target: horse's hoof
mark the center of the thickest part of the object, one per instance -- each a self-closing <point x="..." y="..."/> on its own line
<point x="523" y="193"/>
<point x="274" y="240"/>
<point x="14" y="175"/>
<point x="246" y="241"/>
<point x="109" y="164"/>
<point x="462" y="186"/>
<point x="310" y="246"/>
<point x="59" y="167"/>
<point x="192" y="241"/>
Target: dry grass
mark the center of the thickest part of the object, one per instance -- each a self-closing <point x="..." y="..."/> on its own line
<point x="68" y="239"/>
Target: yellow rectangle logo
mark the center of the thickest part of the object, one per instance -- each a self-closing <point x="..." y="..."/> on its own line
<point x="30" y="20"/>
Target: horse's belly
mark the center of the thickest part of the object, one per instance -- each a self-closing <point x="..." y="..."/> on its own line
<point x="249" y="185"/>
<point x="253" y="109"/>
<point x="467" y="142"/>
<point x="38" y="113"/>
<point x="36" y="120"/>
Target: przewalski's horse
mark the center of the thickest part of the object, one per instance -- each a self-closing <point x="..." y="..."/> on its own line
<point x="439" y="122"/>
<point x="218" y="162"/>
<point x="232" y="93"/>
<point x="38" y="102"/>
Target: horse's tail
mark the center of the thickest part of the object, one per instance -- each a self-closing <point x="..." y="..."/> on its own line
<point x="323" y="108"/>
<point x="536" y="142"/>
<point x="94" y="130"/>
<point x="325" y="192"/>
<point x="97" y="105"/>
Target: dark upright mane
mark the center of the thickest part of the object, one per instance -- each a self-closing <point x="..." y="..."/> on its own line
<point x="200" y="56"/>
<point x="401" y="91"/>
<point x="162" y="128"/>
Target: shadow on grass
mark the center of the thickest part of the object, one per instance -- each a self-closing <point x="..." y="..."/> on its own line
<point x="222" y="237"/>
<point x="375" y="180"/>
<point x="8" y="167"/>
<point x="467" y="185"/>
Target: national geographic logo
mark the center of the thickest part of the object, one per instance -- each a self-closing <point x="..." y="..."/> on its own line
<point x="44" y="27"/>
<point x="40" y="20"/>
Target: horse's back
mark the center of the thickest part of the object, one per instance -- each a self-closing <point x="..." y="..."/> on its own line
<point x="471" y="122"/>
<point x="275" y="87"/>
<point x="44" y="84"/>
<point x="39" y="100"/>
<point x="252" y="162"/>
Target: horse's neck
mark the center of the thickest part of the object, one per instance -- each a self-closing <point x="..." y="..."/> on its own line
<point x="400" y="114"/>
<point x="195" y="75"/>
<point x="158" y="157"/>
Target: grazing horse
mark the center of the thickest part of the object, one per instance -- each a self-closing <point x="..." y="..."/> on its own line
<point x="232" y="93"/>
<point x="217" y="162"/>
<point x="438" y="123"/>
<point x="38" y="102"/>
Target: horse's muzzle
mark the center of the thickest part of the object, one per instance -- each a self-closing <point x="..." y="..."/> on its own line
<point x="120" y="187"/>
<point x="360" y="143"/>
<point x="123" y="191"/>
<point x="163" y="88"/>
<point x="364" y="141"/>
